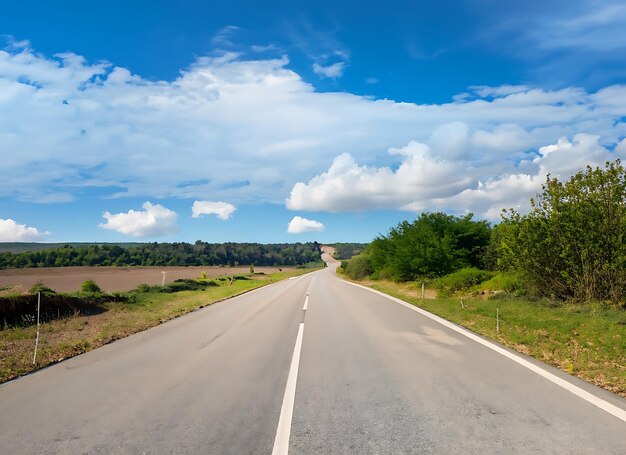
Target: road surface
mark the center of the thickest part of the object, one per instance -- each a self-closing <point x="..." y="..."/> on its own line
<point x="353" y="373"/>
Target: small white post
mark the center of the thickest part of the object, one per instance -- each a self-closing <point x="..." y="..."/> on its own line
<point x="498" y="320"/>
<point x="462" y="306"/>
<point x="163" y="279"/>
<point x="37" y="339"/>
<point x="423" y="292"/>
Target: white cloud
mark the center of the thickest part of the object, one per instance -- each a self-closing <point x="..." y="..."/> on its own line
<point x="597" y="26"/>
<point x="621" y="148"/>
<point x="347" y="186"/>
<point x="423" y="182"/>
<point x="10" y="231"/>
<point x="224" y="36"/>
<point x="250" y="130"/>
<point x="153" y="221"/>
<point x="299" y="225"/>
<point x="223" y="210"/>
<point x="333" y="71"/>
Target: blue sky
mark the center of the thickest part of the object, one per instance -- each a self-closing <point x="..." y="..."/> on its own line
<point x="295" y="121"/>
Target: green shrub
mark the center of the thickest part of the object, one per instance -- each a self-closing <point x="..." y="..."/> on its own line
<point x="571" y="243"/>
<point x="40" y="287"/>
<point x="90" y="286"/>
<point x="143" y="288"/>
<point x="188" y="285"/>
<point x="504" y="281"/>
<point x="358" y="267"/>
<point x="461" y="280"/>
<point x="433" y="245"/>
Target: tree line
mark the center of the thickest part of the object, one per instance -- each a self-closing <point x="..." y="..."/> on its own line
<point x="570" y="246"/>
<point x="167" y="254"/>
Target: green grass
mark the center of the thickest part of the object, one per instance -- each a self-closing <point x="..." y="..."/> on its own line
<point x="68" y="337"/>
<point x="588" y="341"/>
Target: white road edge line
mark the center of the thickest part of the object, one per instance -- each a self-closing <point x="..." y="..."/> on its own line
<point x="581" y="393"/>
<point x="306" y="303"/>
<point x="302" y="276"/>
<point x="281" y="441"/>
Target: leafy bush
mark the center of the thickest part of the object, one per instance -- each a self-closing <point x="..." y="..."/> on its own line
<point x="572" y="244"/>
<point x="40" y="287"/>
<point x="504" y="281"/>
<point x="143" y="288"/>
<point x="433" y="245"/>
<point x="90" y="286"/>
<point x="186" y="285"/>
<point x="461" y="280"/>
<point x="358" y="267"/>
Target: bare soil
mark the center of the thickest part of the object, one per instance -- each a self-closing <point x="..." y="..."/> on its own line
<point x="110" y="279"/>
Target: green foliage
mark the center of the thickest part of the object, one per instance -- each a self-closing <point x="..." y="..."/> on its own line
<point x="358" y="267"/>
<point x="348" y="250"/>
<point x="509" y="282"/>
<point x="40" y="287"/>
<point x="164" y="254"/>
<point x="90" y="286"/>
<point x="186" y="285"/>
<point x="461" y="280"/>
<point x="143" y="288"/>
<point x="572" y="244"/>
<point x="433" y="245"/>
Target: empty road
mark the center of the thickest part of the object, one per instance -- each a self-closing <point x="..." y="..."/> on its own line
<point x="343" y="369"/>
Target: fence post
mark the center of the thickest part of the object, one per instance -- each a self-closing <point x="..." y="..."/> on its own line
<point x="422" y="292"/>
<point x="37" y="339"/>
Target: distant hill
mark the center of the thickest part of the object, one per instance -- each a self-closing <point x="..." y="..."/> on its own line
<point x="25" y="247"/>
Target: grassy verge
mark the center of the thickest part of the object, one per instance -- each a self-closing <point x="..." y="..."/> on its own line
<point x="587" y="341"/>
<point x="68" y="337"/>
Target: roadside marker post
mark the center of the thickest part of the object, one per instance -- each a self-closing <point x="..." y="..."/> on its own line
<point x="423" y="291"/>
<point x="498" y="320"/>
<point x="37" y="338"/>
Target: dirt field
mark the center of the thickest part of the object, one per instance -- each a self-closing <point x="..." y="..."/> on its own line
<point x="68" y="279"/>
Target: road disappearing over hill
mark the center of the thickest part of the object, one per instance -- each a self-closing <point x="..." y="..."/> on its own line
<point x="311" y="365"/>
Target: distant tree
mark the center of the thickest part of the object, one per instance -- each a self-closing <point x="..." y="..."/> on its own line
<point x="162" y="254"/>
<point x="435" y="244"/>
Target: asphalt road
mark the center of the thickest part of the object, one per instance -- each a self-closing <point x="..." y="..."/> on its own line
<point x="372" y="377"/>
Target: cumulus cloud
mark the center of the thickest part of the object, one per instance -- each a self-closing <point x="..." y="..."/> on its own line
<point x="253" y="131"/>
<point x="333" y="71"/>
<point x="11" y="231"/>
<point x="223" y="210"/>
<point x="299" y="225"/>
<point x="153" y="221"/>
<point x="423" y="182"/>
